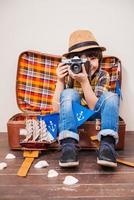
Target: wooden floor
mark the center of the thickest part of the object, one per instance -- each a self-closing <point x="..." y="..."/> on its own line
<point x="94" y="182"/>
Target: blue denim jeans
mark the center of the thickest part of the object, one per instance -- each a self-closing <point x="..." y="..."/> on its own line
<point x="106" y="108"/>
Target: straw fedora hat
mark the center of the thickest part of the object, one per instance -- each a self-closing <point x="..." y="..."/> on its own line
<point x="81" y="40"/>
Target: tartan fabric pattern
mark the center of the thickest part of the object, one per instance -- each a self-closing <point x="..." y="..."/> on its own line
<point x="100" y="83"/>
<point x="36" y="81"/>
<point x="113" y="66"/>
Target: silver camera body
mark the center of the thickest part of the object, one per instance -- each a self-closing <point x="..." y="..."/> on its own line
<point x="75" y="63"/>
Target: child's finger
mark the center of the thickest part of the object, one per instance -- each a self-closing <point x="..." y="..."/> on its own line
<point x="83" y="68"/>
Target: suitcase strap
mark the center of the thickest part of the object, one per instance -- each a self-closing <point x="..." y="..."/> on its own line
<point x="124" y="162"/>
<point x="29" y="158"/>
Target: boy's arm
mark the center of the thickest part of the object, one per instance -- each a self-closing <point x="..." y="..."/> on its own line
<point x="89" y="95"/>
<point x="101" y="87"/>
<point x="56" y="97"/>
<point x="62" y="71"/>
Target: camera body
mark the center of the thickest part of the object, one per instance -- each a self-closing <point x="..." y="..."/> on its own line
<point x="75" y="63"/>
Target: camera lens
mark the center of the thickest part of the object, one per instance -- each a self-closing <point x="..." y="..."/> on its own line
<point x="76" y="68"/>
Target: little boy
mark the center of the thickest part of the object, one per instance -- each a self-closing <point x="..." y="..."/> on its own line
<point x="90" y="88"/>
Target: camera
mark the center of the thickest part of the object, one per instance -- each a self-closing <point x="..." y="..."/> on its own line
<point x="75" y="63"/>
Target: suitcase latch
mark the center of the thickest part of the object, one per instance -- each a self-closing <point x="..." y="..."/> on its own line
<point x="98" y="124"/>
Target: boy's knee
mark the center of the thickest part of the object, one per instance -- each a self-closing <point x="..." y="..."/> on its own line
<point x="111" y="98"/>
<point x="69" y="94"/>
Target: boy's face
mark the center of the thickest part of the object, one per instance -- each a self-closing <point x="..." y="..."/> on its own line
<point x="93" y="60"/>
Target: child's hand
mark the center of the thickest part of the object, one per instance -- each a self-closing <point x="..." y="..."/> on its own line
<point x="81" y="77"/>
<point x="62" y="71"/>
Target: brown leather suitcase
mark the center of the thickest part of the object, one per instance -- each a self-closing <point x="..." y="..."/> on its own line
<point x="29" y="101"/>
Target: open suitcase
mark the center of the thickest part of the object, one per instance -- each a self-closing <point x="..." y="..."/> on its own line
<point x="35" y="85"/>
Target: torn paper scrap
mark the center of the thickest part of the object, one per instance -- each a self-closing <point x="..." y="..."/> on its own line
<point x="10" y="156"/>
<point x="41" y="164"/>
<point x="3" y="165"/>
<point x="70" y="180"/>
<point x="52" y="173"/>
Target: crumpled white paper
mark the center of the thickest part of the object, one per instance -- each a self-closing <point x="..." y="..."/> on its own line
<point x="41" y="164"/>
<point x="3" y="165"/>
<point x="70" y="180"/>
<point x="10" y="156"/>
<point x="52" y="173"/>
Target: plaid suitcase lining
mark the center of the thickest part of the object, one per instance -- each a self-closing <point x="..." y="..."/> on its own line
<point x="113" y="66"/>
<point x="36" y="80"/>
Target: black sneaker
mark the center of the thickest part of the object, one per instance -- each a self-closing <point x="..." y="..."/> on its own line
<point x="107" y="154"/>
<point x="69" y="155"/>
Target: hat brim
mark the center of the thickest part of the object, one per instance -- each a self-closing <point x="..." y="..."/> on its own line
<point x="84" y="48"/>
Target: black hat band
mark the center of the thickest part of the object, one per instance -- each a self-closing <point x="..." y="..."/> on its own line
<point x="83" y="44"/>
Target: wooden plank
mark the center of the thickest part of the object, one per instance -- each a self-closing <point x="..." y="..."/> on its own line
<point x="90" y="167"/>
<point x="31" y="197"/>
<point x="42" y="179"/>
<point x="24" y="168"/>
<point x="77" y="191"/>
<point x="27" y="163"/>
<point x="87" y="165"/>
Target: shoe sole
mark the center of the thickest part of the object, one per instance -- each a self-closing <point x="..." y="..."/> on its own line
<point x="106" y="163"/>
<point x="69" y="164"/>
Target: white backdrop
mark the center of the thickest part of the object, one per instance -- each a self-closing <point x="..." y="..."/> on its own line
<point x="44" y="25"/>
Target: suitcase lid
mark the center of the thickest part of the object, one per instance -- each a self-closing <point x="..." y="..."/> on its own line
<point x="112" y="65"/>
<point x="36" y="79"/>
